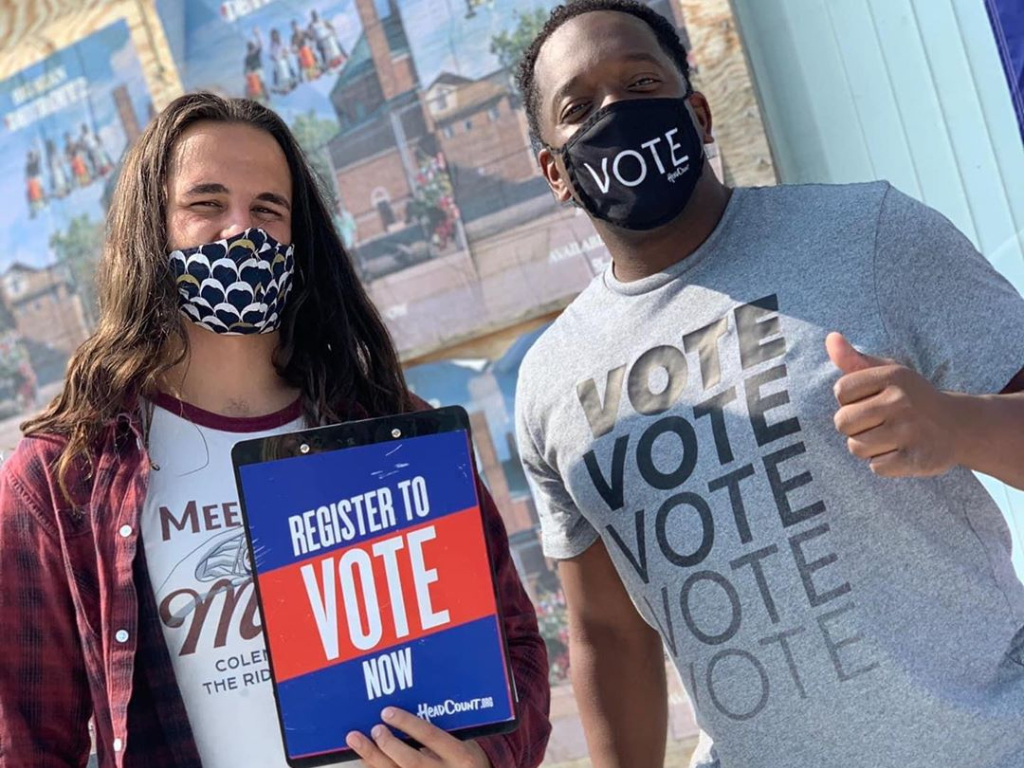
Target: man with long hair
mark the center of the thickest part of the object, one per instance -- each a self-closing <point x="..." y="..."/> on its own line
<point x="753" y="438"/>
<point x="228" y="309"/>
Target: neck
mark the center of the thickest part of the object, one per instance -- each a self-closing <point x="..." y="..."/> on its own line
<point x="230" y="375"/>
<point x="636" y="255"/>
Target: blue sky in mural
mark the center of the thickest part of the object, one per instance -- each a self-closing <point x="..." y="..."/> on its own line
<point x="210" y="51"/>
<point x="445" y="40"/>
<point x="101" y="62"/>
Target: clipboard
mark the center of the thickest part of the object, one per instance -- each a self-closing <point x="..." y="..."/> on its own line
<point x="374" y="581"/>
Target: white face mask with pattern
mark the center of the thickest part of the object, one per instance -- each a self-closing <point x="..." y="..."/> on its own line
<point x="236" y="286"/>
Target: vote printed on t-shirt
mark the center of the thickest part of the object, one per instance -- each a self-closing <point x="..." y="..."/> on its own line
<point x="375" y="589"/>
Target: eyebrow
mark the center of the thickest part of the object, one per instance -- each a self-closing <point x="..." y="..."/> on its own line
<point x="220" y="189"/>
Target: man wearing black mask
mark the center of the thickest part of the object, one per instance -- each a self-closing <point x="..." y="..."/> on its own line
<point x="752" y="440"/>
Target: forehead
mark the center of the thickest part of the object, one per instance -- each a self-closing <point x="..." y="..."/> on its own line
<point x="586" y="41"/>
<point x="229" y="152"/>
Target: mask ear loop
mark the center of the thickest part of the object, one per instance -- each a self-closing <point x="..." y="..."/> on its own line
<point x="686" y="96"/>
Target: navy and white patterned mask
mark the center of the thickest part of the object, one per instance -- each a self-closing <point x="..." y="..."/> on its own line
<point x="237" y="286"/>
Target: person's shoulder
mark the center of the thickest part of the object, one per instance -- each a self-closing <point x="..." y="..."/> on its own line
<point x="29" y="472"/>
<point x="900" y="210"/>
<point x="419" y="404"/>
<point x="819" y="198"/>
<point x="542" y="357"/>
<point x="34" y="453"/>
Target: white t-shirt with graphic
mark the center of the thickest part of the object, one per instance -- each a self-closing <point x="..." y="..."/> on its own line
<point x="199" y="567"/>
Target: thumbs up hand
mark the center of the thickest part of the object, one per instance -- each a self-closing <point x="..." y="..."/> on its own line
<point x="892" y="416"/>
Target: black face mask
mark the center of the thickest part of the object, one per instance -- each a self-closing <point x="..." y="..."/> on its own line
<point x="635" y="162"/>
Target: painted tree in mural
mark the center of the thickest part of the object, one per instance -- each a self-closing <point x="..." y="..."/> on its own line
<point x="78" y="249"/>
<point x="509" y="47"/>
<point x="433" y="203"/>
<point x="313" y="133"/>
<point x="553" y="624"/>
<point x="17" y="379"/>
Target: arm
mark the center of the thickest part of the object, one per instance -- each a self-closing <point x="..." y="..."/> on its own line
<point x="991" y="430"/>
<point x="524" y="747"/>
<point x="617" y="666"/>
<point x="44" y="697"/>
<point x="955" y="327"/>
<point x="904" y="426"/>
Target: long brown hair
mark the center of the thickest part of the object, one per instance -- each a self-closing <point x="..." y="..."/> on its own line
<point x="334" y="346"/>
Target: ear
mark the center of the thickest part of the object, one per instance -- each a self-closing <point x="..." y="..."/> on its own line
<point x="702" y="111"/>
<point x="555" y="174"/>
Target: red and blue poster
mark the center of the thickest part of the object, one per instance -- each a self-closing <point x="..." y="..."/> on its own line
<point x="374" y="581"/>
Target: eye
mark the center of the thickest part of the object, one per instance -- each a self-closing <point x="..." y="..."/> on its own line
<point x="645" y="81"/>
<point x="262" y="211"/>
<point x="206" y="204"/>
<point x="575" y="111"/>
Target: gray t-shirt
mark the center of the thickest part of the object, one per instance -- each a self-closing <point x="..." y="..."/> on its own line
<point x="817" y="614"/>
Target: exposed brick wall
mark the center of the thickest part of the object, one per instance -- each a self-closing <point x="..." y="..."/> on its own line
<point x="46" y="312"/>
<point x="379" y="48"/>
<point x="405" y="73"/>
<point x="725" y="79"/>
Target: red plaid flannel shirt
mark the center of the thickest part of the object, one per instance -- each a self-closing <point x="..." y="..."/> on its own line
<point x="81" y="636"/>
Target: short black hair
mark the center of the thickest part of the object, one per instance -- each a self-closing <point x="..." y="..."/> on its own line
<point x="663" y="30"/>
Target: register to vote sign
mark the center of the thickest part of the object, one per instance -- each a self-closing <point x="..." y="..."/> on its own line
<point x="376" y="590"/>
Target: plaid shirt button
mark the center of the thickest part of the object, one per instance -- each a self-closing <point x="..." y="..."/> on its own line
<point x="121" y="636"/>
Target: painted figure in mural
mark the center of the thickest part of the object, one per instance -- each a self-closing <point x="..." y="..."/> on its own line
<point x="753" y="439"/>
<point x="285" y="77"/>
<point x="75" y="157"/>
<point x="59" y="183"/>
<point x="95" y="152"/>
<point x="255" y="87"/>
<point x="327" y="44"/>
<point x="34" y="191"/>
<point x="104" y="488"/>
<point x="253" y="68"/>
<point x="302" y="46"/>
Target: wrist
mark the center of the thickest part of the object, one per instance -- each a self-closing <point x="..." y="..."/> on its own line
<point x="969" y="417"/>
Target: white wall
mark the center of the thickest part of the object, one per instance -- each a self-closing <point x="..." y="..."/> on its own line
<point x="911" y="91"/>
